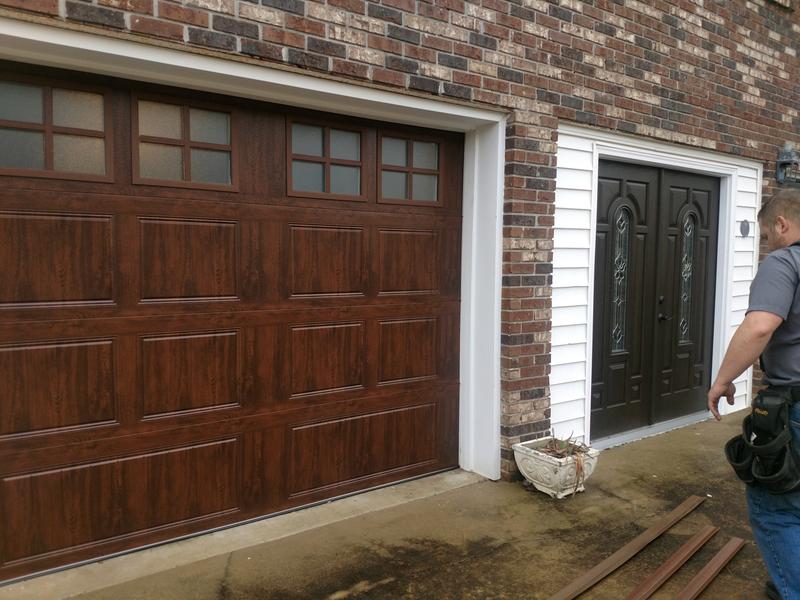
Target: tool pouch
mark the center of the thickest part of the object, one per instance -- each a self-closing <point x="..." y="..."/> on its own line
<point x="764" y="454"/>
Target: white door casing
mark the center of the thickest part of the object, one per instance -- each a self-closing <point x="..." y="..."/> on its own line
<point x="578" y="154"/>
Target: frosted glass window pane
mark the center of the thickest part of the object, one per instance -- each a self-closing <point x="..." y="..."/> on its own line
<point x="78" y="154"/>
<point x="345" y="144"/>
<point x="211" y="166"/>
<point x="426" y="155"/>
<point x="393" y="185"/>
<point x="308" y="176"/>
<point x="306" y="139"/>
<point x="21" y="149"/>
<point x="393" y="152"/>
<point x="19" y="102"/>
<point x="345" y="180"/>
<point x="81" y="110"/>
<point x="160" y="120"/>
<point x="424" y="187"/>
<point x="209" y="126"/>
<point x="157" y="161"/>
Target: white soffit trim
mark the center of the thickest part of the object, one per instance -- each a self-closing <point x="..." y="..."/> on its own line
<point x="579" y="151"/>
<point x="70" y="49"/>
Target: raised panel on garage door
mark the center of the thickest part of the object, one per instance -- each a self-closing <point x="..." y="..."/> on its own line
<point x="185" y="353"/>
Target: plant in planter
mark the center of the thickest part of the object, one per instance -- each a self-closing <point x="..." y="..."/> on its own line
<point x="556" y="467"/>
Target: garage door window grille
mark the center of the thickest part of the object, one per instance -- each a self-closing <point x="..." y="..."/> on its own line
<point x="50" y="131"/>
<point x="409" y="170"/>
<point x="325" y="161"/>
<point x="182" y="145"/>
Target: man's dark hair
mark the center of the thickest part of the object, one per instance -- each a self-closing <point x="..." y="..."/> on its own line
<point x="785" y="203"/>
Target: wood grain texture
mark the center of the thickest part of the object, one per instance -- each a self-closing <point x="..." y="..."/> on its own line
<point x="189" y="372"/>
<point x="56" y="384"/>
<point x="138" y="319"/>
<point x="55" y="258"/>
<point x="110" y="498"/>
<point x="338" y="451"/>
<point x="184" y="259"/>
<point x="629" y="550"/>
<point x="707" y="574"/>
<point x="657" y="578"/>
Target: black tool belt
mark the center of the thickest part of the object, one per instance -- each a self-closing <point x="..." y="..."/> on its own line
<point x="765" y="454"/>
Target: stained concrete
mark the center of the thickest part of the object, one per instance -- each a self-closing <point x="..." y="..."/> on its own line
<point x="496" y="540"/>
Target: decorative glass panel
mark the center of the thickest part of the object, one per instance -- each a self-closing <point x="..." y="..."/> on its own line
<point x="211" y="166"/>
<point x="394" y="185"/>
<point x="21" y="149"/>
<point x="157" y="161"/>
<point x="209" y="126"/>
<point x="687" y="262"/>
<point x="426" y="155"/>
<point x="160" y="120"/>
<point x="424" y="187"/>
<point x="20" y="102"/>
<point x="306" y="139"/>
<point x="345" y="145"/>
<point x="82" y="110"/>
<point x="393" y="152"/>
<point x="79" y="154"/>
<point x="308" y="176"/>
<point x="619" y="284"/>
<point x="345" y="180"/>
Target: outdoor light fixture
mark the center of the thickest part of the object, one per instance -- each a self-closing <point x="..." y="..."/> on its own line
<point x="787" y="170"/>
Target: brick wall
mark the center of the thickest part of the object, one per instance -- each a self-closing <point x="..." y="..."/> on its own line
<point x="715" y="74"/>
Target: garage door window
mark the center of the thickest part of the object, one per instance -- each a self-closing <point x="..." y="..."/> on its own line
<point x="409" y="170"/>
<point x="55" y="131"/>
<point x="325" y="161"/>
<point x="182" y="145"/>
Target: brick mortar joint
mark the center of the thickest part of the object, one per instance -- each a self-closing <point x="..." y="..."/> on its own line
<point x="69" y="25"/>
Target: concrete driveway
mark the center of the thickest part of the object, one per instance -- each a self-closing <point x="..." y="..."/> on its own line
<point x="493" y="540"/>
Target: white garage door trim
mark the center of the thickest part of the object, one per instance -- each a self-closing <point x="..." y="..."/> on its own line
<point x="578" y="154"/>
<point x="479" y="423"/>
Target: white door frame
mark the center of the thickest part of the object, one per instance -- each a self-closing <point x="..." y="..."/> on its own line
<point x="579" y="153"/>
<point x="484" y="158"/>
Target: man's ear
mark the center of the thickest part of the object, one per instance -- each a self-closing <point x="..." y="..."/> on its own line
<point x="781" y="224"/>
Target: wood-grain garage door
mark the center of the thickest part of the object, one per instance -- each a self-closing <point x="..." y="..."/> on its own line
<point x="212" y="309"/>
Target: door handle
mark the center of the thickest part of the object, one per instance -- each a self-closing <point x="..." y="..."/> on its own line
<point x="663" y="317"/>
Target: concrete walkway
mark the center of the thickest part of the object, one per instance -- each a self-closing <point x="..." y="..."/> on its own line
<point x="494" y="540"/>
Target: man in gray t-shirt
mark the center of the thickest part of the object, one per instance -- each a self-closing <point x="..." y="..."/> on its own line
<point x="771" y="330"/>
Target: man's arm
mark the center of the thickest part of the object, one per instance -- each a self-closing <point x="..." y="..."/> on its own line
<point x="746" y="346"/>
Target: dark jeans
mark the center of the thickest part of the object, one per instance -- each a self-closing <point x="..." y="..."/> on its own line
<point x="775" y="520"/>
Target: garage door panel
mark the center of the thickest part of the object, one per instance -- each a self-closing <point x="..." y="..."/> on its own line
<point x="336" y="452"/>
<point x="190" y="372"/>
<point x="57" y="384"/>
<point x="408" y="350"/>
<point x="52" y="259"/>
<point x="327" y="358"/>
<point x="327" y="261"/>
<point x="55" y="510"/>
<point x="407" y="262"/>
<point x="188" y="259"/>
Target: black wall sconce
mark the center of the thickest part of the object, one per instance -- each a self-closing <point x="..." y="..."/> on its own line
<point x="787" y="170"/>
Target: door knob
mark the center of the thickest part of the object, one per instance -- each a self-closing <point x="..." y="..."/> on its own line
<point x="663" y="317"/>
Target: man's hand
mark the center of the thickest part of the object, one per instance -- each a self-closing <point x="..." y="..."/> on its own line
<point x="717" y="391"/>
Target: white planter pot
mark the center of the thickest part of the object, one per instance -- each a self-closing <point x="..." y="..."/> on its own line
<point x="553" y="476"/>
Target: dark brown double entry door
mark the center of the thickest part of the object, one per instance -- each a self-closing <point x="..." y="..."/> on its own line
<point x="654" y="285"/>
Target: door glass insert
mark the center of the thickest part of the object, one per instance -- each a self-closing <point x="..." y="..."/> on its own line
<point x="21" y="102"/>
<point x="619" y="299"/>
<point x="409" y="170"/>
<point x="324" y="161"/>
<point x="21" y="149"/>
<point x="79" y="154"/>
<point x="687" y="261"/>
<point x="77" y="109"/>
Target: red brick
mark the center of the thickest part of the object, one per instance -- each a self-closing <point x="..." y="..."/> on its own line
<point x="385" y="44"/>
<point x="355" y="6"/>
<point x="155" y="27"/>
<point x="388" y="77"/>
<point x="190" y="16"/>
<point x="350" y="69"/>
<point x="49" y="7"/>
<point x="138" y="6"/>
<point x="283" y="37"/>
<point x="305" y="25"/>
